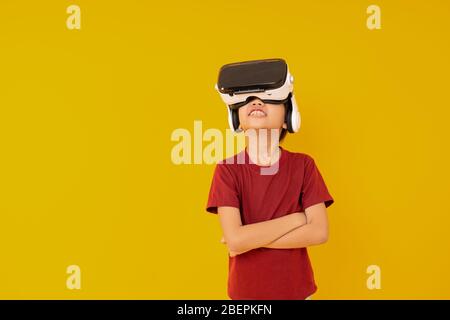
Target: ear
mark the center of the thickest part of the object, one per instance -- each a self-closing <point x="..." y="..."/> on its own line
<point x="284" y="126"/>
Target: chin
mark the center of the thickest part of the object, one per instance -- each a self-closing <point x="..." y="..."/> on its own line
<point x="256" y="126"/>
<point x="258" y="123"/>
<point x="261" y="127"/>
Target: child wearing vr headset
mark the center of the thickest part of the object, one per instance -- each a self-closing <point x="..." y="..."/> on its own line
<point x="268" y="219"/>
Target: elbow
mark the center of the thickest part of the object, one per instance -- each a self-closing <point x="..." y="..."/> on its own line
<point x="234" y="244"/>
<point x="237" y="241"/>
<point x="322" y="236"/>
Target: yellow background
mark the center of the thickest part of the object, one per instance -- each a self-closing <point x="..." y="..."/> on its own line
<point x="86" y="117"/>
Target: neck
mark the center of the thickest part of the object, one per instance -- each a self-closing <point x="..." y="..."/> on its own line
<point x="263" y="146"/>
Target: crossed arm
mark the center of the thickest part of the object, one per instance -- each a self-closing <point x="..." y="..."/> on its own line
<point x="295" y="230"/>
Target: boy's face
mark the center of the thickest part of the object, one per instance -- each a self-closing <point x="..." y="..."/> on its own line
<point x="257" y="115"/>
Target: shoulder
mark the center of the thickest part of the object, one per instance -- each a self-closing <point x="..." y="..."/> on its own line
<point x="300" y="157"/>
<point x="232" y="162"/>
<point x="229" y="165"/>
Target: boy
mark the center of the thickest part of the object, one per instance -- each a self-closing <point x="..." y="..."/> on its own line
<point x="268" y="220"/>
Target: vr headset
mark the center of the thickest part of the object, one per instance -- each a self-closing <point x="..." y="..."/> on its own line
<point x="268" y="79"/>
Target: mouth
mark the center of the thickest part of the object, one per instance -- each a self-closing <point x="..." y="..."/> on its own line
<point x="258" y="113"/>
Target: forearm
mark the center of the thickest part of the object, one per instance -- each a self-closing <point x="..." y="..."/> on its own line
<point x="303" y="236"/>
<point x="259" y="234"/>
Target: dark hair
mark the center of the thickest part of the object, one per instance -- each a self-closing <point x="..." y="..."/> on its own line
<point x="283" y="134"/>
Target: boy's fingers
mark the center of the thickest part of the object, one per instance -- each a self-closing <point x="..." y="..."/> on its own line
<point x="222" y="240"/>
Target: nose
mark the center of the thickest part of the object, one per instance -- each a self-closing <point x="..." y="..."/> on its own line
<point x="256" y="102"/>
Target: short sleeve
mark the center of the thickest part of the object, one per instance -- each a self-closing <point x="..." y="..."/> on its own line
<point x="223" y="191"/>
<point x="314" y="189"/>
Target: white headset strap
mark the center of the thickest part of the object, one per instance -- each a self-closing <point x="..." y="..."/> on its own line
<point x="295" y="115"/>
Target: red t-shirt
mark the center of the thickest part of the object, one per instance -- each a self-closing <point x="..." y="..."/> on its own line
<point x="266" y="273"/>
